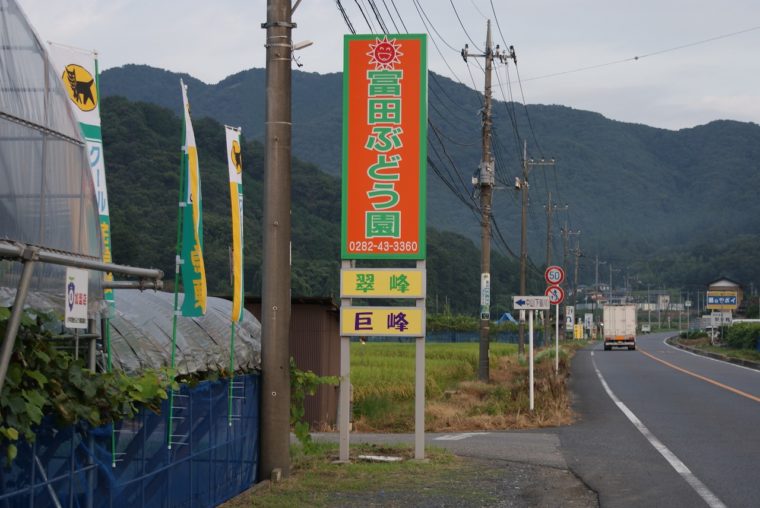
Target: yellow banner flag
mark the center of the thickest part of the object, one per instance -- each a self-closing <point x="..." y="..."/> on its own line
<point x="235" y="167"/>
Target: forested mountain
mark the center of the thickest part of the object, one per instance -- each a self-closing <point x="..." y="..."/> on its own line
<point x="637" y="193"/>
<point x="142" y="146"/>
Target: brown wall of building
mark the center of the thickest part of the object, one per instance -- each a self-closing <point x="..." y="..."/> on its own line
<point x="315" y="345"/>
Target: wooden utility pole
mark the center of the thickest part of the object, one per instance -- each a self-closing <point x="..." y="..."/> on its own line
<point x="486" y="182"/>
<point x="522" y="184"/>
<point x="550" y="207"/>
<point x="275" y="304"/>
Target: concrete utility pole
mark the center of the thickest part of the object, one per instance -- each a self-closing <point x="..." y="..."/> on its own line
<point x="566" y="232"/>
<point x="275" y="304"/>
<point x="550" y="208"/>
<point x="596" y="286"/>
<point x="577" y="253"/>
<point x="486" y="182"/>
<point x="522" y="184"/>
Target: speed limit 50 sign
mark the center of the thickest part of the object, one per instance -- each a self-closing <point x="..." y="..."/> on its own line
<point x="554" y="275"/>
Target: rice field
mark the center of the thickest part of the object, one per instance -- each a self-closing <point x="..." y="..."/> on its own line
<point x="382" y="376"/>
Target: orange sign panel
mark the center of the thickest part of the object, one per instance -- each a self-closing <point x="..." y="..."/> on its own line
<point x="384" y="146"/>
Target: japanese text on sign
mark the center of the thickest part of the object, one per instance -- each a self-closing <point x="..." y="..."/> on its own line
<point x="382" y="283"/>
<point x="384" y="141"/>
<point x="368" y="321"/>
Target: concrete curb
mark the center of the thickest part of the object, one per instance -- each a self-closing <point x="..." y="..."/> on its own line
<point x="715" y="356"/>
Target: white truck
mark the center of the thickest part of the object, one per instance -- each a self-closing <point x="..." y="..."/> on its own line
<point x="619" y="326"/>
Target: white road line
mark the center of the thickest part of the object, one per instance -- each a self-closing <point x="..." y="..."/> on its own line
<point x="458" y="437"/>
<point x="665" y="341"/>
<point x="699" y="487"/>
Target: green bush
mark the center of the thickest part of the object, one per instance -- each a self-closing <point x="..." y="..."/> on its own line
<point x="743" y="335"/>
<point x="43" y="380"/>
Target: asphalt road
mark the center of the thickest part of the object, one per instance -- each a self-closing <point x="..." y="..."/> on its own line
<point x="669" y="438"/>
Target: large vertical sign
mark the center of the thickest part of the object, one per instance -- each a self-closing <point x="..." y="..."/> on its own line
<point x="384" y="146"/>
<point x="78" y="71"/>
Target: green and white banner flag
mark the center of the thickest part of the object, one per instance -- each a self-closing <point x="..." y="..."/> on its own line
<point x="235" y="167"/>
<point x="78" y="71"/>
<point x="193" y="270"/>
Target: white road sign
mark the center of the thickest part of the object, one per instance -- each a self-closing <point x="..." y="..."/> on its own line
<point x="569" y="316"/>
<point x="75" y="312"/>
<point x="554" y="275"/>
<point x="530" y="302"/>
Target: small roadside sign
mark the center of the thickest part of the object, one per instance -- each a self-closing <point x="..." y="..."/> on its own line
<point x="530" y="302"/>
<point x="75" y="312"/>
<point x="385" y="321"/>
<point x="569" y="316"/>
<point x="554" y="275"/>
<point x="556" y="294"/>
<point x="382" y="283"/>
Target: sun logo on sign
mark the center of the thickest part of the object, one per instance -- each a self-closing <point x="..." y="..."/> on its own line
<point x="236" y="156"/>
<point x="384" y="54"/>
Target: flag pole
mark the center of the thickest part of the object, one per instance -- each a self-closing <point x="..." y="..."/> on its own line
<point x="232" y="373"/>
<point x="177" y="263"/>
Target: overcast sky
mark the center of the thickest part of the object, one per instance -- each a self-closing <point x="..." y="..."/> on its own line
<point x="669" y="88"/>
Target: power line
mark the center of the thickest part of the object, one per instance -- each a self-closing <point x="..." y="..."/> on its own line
<point x="463" y="28"/>
<point x="366" y="20"/>
<point x="399" y="15"/>
<point x="345" y="17"/>
<point x="422" y="12"/>
<point x="390" y="16"/>
<point x="645" y="55"/>
<point x="377" y="16"/>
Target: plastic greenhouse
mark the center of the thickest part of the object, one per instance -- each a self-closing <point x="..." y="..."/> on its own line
<point x="48" y="221"/>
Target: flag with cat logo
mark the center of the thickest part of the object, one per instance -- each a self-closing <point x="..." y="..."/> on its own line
<point x="235" y="166"/>
<point x="78" y="71"/>
<point x="193" y="270"/>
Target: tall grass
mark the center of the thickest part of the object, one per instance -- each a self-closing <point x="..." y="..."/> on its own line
<point x="387" y="369"/>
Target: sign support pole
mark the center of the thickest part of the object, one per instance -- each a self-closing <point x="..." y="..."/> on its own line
<point x="419" y="387"/>
<point x="556" y="339"/>
<point x="530" y="356"/>
<point x="344" y="395"/>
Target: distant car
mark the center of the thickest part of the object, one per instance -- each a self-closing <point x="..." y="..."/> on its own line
<point x="646" y="329"/>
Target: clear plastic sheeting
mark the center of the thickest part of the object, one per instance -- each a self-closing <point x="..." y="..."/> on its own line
<point x="47" y="196"/>
<point x="141" y="335"/>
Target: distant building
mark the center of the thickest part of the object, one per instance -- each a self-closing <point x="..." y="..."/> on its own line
<point x="726" y="284"/>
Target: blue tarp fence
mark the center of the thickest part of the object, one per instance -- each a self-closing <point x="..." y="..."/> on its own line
<point x="215" y="461"/>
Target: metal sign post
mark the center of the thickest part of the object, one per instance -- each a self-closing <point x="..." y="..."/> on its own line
<point x="530" y="358"/>
<point x="556" y="339"/>
<point x="531" y="304"/>
<point x="556" y="296"/>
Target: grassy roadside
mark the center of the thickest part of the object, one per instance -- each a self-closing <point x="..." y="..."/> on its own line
<point x="703" y="344"/>
<point x="382" y="375"/>
<point x="317" y="481"/>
